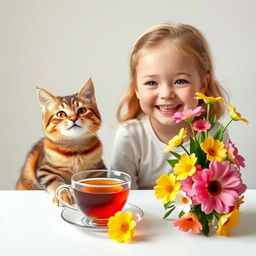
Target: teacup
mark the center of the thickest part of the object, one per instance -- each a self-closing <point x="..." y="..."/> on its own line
<point x="98" y="194"/>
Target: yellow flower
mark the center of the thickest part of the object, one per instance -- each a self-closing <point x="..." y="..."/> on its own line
<point x="167" y="188"/>
<point x="235" y="115"/>
<point x="228" y="221"/>
<point x="121" y="227"/>
<point x="239" y="202"/>
<point x="186" y="166"/>
<point x="214" y="149"/>
<point x="176" y="140"/>
<point x="207" y="100"/>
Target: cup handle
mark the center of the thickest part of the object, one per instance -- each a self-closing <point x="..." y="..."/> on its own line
<point x="58" y="192"/>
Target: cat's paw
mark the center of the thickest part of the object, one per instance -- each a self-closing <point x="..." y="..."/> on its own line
<point x="66" y="196"/>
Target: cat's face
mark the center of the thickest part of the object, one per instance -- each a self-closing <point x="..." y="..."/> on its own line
<point x="70" y="118"/>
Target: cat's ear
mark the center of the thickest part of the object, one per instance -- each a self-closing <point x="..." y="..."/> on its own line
<point x="46" y="99"/>
<point x="87" y="91"/>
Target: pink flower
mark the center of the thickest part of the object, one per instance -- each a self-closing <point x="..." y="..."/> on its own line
<point x="187" y="114"/>
<point x="233" y="156"/>
<point x="188" y="221"/>
<point x="187" y="185"/>
<point x="219" y="187"/>
<point x="201" y="125"/>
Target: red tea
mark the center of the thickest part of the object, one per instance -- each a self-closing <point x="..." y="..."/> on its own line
<point x="101" y="202"/>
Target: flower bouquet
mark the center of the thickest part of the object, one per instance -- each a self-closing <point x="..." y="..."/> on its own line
<point x="206" y="186"/>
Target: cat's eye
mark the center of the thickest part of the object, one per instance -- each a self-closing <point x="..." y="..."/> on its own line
<point x="81" y="111"/>
<point x="61" y="114"/>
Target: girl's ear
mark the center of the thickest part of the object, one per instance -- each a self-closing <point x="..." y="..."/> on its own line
<point x="205" y="83"/>
<point x="46" y="99"/>
<point x="137" y="94"/>
<point x="135" y="88"/>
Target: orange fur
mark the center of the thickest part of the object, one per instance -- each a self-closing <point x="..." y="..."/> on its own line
<point x="71" y="144"/>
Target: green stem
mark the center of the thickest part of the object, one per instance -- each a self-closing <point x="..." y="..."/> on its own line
<point x="208" y="111"/>
<point x="227" y="125"/>
<point x="193" y="133"/>
<point x="207" y="117"/>
<point x="185" y="149"/>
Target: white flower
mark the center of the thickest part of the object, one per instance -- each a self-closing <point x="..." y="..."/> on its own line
<point x="182" y="202"/>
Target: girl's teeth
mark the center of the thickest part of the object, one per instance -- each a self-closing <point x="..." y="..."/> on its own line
<point x="166" y="108"/>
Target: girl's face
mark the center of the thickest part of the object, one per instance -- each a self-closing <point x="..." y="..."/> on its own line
<point x="167" y="80"/>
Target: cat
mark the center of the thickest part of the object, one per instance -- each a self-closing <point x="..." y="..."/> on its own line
<point x="70" y="144"/>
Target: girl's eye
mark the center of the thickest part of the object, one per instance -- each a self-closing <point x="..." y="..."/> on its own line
<point x="152" y="83"/>
<point x="61" y="114"/>
<point x="81" y="111"/>
<point x="181" y="81"/>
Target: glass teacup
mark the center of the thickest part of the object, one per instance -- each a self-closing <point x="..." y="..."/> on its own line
<point x="98" y="194"/>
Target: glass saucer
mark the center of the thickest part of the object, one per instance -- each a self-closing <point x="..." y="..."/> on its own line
<point x="76" y="218"/>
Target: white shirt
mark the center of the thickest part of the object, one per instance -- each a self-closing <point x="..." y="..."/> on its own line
<point x="138" y="152"/>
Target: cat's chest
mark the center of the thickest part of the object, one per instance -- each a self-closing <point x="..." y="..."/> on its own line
<point x="76" y="162"/>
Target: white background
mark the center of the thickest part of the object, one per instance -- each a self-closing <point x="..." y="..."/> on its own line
<point x="59" y="44"/>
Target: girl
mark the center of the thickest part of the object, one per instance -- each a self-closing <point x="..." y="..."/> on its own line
<point x="168" y="65"/>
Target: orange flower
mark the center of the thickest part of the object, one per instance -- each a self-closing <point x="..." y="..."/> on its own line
<point x="188" y="221"/>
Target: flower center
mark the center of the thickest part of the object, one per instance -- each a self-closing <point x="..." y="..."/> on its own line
<point x="188" y="168"/>
<point x="201" y="126"/>
<point x="190" y="219"/>
<point x="211" y="152"/>
<point x="169" y="188"/>
<point x="214" y="188"/>
<point x="184" y="200"/>
<point x="124" y="227"/>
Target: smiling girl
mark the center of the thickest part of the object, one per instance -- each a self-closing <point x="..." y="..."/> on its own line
<point x="169" y="64"/>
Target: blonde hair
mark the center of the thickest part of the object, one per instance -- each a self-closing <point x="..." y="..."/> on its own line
<point x="185" y="38"/>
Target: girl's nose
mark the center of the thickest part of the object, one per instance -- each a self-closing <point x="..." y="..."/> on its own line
<point x="167" y="92"/>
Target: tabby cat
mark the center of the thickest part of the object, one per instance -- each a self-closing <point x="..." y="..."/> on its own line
<point x="71" y="144"/>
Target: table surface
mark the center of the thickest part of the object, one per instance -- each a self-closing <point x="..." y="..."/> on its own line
<point x="30" y="224"/>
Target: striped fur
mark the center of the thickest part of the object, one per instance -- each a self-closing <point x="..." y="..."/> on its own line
<point x="70" y="145"/>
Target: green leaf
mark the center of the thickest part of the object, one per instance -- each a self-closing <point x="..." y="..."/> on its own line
<point x="209" y="216"/>
<point x="219" y="133"/>
<point x="213" y="121"/>
<point x="175" y="154"/>
<point x="193" y="146"/>
<point x="205" y="225"/>
<point x="169" y="212"/>
<point x="181" y="214"/>
<point x="201" y="137"/>
<point x="168" y="205"/>
<point x="204" y="220"/>
<point x="172" y="162"/>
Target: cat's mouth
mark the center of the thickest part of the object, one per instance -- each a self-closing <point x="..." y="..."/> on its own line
<point x="74" y="125"/>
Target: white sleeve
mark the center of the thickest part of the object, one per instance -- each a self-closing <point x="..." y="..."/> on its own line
<point x="124" y="154"/>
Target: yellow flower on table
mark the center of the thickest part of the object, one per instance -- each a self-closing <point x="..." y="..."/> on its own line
<point x="121" y="227"/>
<point x="236" y="116"/>
<point x="167" y="188"/>
<point x="177" y="140"/>
<point x="186" y="166"/>
<point x="207" y="100"/>
<point x="228" y="221"/>
<point x="215" y="150"/>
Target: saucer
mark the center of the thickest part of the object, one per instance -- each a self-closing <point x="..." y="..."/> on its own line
<point x="77" y="218"/>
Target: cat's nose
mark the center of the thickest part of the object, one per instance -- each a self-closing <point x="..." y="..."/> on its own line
<point x="73" y="118"/>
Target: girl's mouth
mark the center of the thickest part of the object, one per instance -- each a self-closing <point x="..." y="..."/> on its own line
<point x="168" y="109"/>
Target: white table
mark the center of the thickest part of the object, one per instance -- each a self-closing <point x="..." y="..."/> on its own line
<point x="30" y="224"/>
